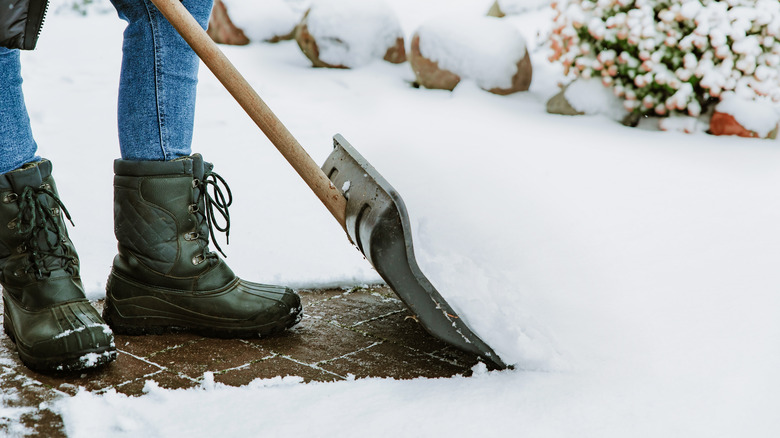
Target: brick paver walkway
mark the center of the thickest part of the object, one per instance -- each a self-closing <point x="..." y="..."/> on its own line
<point x="365" y="332"/>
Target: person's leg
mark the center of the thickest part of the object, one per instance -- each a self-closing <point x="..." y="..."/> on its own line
<point x="157" y="83"/>
<point x="165" y="201"/>
<point x="17" y="146"/>
<point x="45" y="311"/>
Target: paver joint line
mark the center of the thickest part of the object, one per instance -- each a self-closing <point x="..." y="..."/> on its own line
<point x="376" y="318"/>
<point x="247" y="364"/>
<point x="351" y="353"/>
<point x="314" y="366"/>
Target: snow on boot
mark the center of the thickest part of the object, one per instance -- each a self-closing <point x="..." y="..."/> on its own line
<point x="165" y="277"/>
<point x="46" y="313"/>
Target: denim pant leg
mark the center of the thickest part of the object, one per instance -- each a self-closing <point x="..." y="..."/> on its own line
<point x="157" y="83"/>
<point x="17" y="146"/>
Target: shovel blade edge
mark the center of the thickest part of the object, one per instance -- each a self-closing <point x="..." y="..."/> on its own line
<point x="377" y="222"/>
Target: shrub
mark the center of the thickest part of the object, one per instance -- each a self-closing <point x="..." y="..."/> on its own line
<point x="671" y="56"/>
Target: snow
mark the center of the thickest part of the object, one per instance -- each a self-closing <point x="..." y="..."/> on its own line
<point x="681" y="123"/>
<point x="483" y="49"/>
<point x="590" y="96"/>
<point x="68" y="332"/>
<point x="90" y="359"/>
<point x="629" y="274"/>
<point x="10" y="413"/>
<point x="510" y="7"/>
<point x="759" y="116"/>
<point x="353" y="32"/>
<point x="263" y="20"/>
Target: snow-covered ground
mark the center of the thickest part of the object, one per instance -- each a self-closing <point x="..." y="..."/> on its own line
<point x="631" y="275"/>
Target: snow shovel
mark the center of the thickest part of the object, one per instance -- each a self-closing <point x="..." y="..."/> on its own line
<point x="371" y="212"/>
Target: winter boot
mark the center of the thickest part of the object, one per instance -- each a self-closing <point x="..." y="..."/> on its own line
<point x="45" y="311"/>
<point x="164" y="277"/>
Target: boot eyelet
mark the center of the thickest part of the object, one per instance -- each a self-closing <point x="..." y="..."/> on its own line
<point x="195" y="183"/>
<point x="21" y="249"/>
<point x="74" y="261"/>
<point x="193" y="208"/>
<point x="12" y="224"/>
<point x="10" y="197"/>
<point x="191" y="236"/>
<point x="198" y="259"/>
<point x="46" y="186"/>
<point x="55" y="211"/>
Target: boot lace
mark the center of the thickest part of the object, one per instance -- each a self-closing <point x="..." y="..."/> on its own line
<point x="215" y="202"/>
<point x="44" y="239"/>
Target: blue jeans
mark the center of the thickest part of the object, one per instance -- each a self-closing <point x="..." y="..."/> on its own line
<point x="16" y="140"/>
<point x="156" y="105"/>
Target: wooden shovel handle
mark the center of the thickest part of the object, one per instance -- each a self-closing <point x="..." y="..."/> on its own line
<point x="245" y="95"/>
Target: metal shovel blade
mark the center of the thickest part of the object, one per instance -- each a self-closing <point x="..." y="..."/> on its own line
<point x="377" y="222"/>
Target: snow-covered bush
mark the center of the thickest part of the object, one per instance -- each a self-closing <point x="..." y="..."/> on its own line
<point x="671" y="56"/>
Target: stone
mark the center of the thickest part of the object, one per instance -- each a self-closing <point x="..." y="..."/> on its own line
<point x="427" y="72"/>
<point x="495" y="10"/>
<point x="221" y="28"/>
<point x="521" y="81"/>
<point x="502" y="8"/>
<point x="486" y="50"/>
<point x="725" y="124"/>
<point x="395" y="53"/>
<point x="559" y="105"/>
<point x="284" y="37"/>
<point x="308" y="45"/>
<point x="269" y="24"/>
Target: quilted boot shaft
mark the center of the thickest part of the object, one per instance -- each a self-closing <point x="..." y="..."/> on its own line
<point x="161" y="226"/>
<point x="165" y="276"/>
<point x="46" y="312"/>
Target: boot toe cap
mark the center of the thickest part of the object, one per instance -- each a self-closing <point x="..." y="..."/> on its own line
<point x="70" y="336"/>
<point x="273" y="304"/>
<point x="74" y="349"/>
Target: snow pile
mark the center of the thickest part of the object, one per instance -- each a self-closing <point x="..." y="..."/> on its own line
<point x="483" y="49"/>
<point x="262" y="20"/>
<point x="760" y="116"/>
<point x="589" y="96"/>
<point x="501" y="403"/>
<point x="353" y="33"/>
<point x="680" y="123"/>
<point x="273" y="407"/>
<point x="735" y="43"/>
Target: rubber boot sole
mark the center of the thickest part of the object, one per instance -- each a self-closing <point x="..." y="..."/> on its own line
<point x="158" y="323"/>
